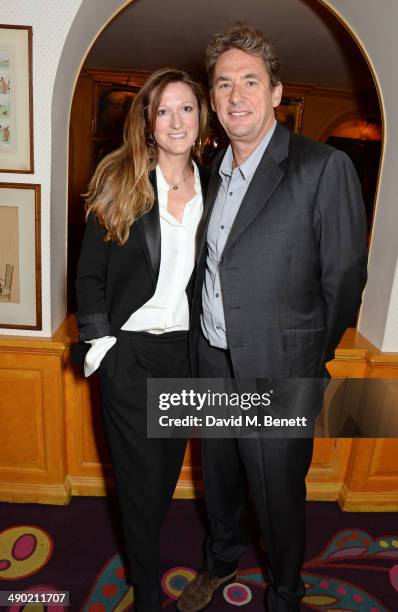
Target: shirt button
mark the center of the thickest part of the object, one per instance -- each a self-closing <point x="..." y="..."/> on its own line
<point x="231" y="193"/>
<point x="217" y="327"/>
<point x="217" y="295"/>
<point x="222" y="227"/>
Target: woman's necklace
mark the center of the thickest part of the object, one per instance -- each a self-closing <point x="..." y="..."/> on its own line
<point x="175" y="186"/>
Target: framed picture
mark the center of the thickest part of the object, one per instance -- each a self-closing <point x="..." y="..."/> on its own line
<point x="112" y="102"/>
<point x="16" y="125"/>
<point x="290" y="113"/>
<point x="20" y="270"/>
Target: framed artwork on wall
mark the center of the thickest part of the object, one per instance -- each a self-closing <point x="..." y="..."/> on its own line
<point x="290" y="113"/>
<point x="112" y="102"/>
<point x="20" y="269"/>
<point x="16" y="123"/>
<point x="111" y="105"/>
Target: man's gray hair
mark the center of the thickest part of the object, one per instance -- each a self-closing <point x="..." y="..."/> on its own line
<point x="246" y="38"/>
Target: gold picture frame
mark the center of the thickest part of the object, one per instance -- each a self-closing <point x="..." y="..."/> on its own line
<point x="16" y="123"/>
<point x="290" y="113"/>
<point x="20" y="263"/>
<point x="112" y="102"/>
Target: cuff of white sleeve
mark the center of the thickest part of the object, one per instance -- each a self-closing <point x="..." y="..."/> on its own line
<point x="98" y="350"/>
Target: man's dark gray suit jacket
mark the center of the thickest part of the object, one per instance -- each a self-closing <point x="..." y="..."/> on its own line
<point x="294" y="266"/>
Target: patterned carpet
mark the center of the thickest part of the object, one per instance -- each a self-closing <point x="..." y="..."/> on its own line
<point x="351" y="563"/>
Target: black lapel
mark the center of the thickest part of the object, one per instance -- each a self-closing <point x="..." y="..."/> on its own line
<point x="204" y="174"/>
<point x="214" y="183"/>
<point x="264" y="182"/>
<point x="149" y="227"/>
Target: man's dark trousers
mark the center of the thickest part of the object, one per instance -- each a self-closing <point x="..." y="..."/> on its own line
<point x="275" y="469"/>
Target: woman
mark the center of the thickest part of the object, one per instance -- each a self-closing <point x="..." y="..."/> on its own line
<point x="143" y="207"/>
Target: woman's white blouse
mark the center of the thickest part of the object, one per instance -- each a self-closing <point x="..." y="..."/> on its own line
<point x="168" y="309"/>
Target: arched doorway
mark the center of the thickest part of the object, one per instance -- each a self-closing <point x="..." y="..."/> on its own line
<point x="85" y="29"/>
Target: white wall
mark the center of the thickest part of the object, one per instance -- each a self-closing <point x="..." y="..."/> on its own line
<point x="50" y="25"/>
<point x="375" y="24"/>
<point x="90" y="19"/>
<point x="62" y="34"/>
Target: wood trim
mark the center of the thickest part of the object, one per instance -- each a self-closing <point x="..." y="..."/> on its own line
<point x="43" y="346"/>
<point x="134" y="77"/>
<point x="32" y="422"/>
<point x="190" y="484"/>
<point x="382" y="360"/>
<point x="355" y="348"/>
<point x="91" y="485"/>
<point x="36" y="493"/>
<point x="139" y="76"/>
<point x="369" y="501"/>
<point x="187" y="490"/>
<point x="360" y="474"/>
<point x="323" y="491"/>
<point x="315" y="91"/>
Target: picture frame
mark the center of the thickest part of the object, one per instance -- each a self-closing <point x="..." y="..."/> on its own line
<point x="290" y="113"/>
<point x="112" y="102"/>
<point x="20" y="259"/>
<point x="16" y="107"/>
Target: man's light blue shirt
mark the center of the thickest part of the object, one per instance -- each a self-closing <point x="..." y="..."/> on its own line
<point x="234" y="184"/>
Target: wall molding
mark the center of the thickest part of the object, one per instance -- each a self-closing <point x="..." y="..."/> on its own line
<point x="64" y="426"/>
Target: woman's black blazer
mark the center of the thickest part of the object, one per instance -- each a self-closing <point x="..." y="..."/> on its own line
<point x="113" y="280"/>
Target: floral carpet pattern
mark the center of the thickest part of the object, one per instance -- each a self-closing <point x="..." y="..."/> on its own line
<point x="351" y="570"/>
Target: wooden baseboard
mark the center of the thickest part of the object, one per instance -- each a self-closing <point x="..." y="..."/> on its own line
<point x="187" y="489"/>
<point x="92" y="486"/>
<point x="323" y="491"/>
<point x="99" y="487"/>
<point x="368" y="501"/>
<point x="52" y="444"/>
<point x="36" y="493"/>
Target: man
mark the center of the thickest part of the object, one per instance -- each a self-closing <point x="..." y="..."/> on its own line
<point x="280" y="272"/>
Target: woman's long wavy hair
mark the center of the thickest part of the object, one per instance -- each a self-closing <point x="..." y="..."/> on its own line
<point x="120" y="190"/>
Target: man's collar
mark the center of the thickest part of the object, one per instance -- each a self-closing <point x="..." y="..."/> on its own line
<point x="248" y="167"/>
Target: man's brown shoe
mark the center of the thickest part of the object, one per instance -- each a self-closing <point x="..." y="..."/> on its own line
<point x="199" y="593"/>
